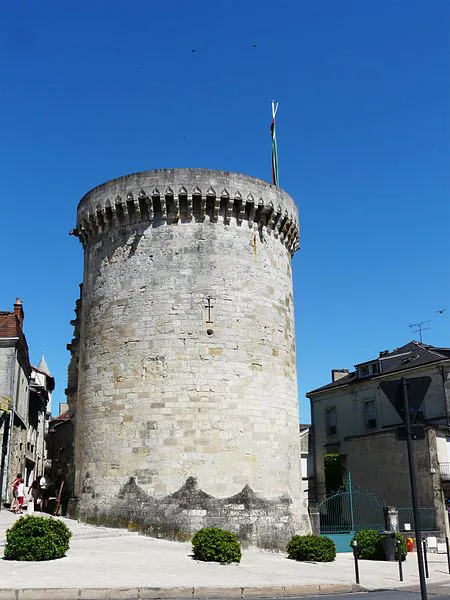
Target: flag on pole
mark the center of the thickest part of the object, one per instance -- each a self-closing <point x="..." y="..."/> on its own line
<point x="275" y="178"/>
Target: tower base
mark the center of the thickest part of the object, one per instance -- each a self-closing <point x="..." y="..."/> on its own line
<point x="267" y="524"/>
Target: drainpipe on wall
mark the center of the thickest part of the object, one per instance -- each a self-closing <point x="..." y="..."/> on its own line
<point x="444" y="503"/>
<point x="312" y="433"/>
<point x="442" y="370"/>
<point x="44" y="414"/>
<point x="44" y="440"/>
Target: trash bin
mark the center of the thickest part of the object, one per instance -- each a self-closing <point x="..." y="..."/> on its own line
<point x="388" y="542"/>
<point x="51" y="505"/>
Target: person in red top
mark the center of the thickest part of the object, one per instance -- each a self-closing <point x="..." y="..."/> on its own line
<point x="20" y="496"/>
<point x="15" y="487"/>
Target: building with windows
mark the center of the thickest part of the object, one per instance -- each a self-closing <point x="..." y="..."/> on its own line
<point x="41" y="386"/>
<point x="352" y="418"/>
<point x="15" y="371"/>
<point x="307" y="461"/>
<point x="60" y="454"/>
<point x="25" y="393"/>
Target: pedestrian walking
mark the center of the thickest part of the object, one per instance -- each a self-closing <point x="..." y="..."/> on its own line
<point x="44" y="492"/>
<point x="15" y="485"/>
<point x="35" y="492"/>
<point x="20" y="496"/>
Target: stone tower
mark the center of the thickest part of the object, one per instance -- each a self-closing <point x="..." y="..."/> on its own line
<point x="186" y="403"/>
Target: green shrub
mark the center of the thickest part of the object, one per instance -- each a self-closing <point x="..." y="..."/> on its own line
<point x="370" y="546"/>
<point x="311" y="548"/>
<point x="334" y="469"/>
<point x="37" y="538"/>
<point x="217" y="545"/>
<point x="403" y="546"/>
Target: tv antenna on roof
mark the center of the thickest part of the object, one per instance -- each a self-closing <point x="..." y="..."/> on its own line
<point x="419" y="327"/>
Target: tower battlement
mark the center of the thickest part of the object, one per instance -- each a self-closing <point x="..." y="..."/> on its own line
<point x="177" y="196"/>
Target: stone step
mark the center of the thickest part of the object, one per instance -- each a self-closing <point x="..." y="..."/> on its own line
<point x="80" y="531"/>
<point x="92" y="532"/>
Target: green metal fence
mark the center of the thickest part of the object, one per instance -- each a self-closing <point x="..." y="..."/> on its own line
<point x="427" y="518"/>
<point x="351" y="510"/>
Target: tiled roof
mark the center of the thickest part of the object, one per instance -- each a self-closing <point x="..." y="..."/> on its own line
<point x="43" y="367"/>
<point x="65" y="416"/>
<point x="413" y="354"/>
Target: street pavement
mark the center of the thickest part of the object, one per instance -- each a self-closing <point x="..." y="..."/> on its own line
<point x="383" y="595"/>
<point x="105" y="563"/>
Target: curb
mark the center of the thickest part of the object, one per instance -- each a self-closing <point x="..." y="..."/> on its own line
<point x="157" y="593"/>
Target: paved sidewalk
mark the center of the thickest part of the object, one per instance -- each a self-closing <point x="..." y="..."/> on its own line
<point x="107" y="563"/>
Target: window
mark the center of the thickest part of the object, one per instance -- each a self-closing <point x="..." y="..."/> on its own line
<point x="370" y="415"/>
<point x="331" y="421"/>
<point x="364" y="371"/>
<point x="369" y="369"/>
<point x="304" y="461"/>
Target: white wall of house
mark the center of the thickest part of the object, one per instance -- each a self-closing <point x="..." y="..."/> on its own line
<point x="443" y="447"/>
<point x="21" y="394"/>
<point x="351" y="418"/>
<point x="349" y="402"/>
<point x="7" y="359"/>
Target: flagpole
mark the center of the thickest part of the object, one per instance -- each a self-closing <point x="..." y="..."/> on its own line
<point x="275" y="175"/>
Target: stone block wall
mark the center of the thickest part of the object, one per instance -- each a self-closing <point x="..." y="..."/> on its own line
<point x="187" y="409"/>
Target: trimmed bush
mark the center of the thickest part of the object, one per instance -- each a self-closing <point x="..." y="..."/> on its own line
<point x="216" y="545"/>
<point x="37" y="538"/>
<point x="403" y="546"/>
<point x="370" y="546"/>
<point x="311" y="548"/>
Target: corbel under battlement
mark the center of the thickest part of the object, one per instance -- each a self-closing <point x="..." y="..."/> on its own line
<point x="257" y="203"/>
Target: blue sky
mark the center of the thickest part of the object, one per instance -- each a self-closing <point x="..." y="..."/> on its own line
<point x="94" y="90"/>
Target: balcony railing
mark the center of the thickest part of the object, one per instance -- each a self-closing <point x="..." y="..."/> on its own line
<point x="444" y="469"/>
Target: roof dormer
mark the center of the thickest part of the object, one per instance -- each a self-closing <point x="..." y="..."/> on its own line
<point x="368" y="369"/>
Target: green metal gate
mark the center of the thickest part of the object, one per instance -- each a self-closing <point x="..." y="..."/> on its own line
<point x="349" y="511"/>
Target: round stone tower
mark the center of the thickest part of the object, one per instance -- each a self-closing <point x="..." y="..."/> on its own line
<point x="186" y="404"/>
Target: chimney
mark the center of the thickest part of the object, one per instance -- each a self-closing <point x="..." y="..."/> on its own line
<point x="18" y="311"/>
<point x="337" y="374"/>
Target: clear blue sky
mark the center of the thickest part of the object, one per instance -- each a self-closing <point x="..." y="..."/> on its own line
<point x="94" y="90"/>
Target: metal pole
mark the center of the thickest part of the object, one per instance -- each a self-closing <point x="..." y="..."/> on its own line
<point x="350" y="497"/>
<point x="412" y="477"/>
<point x="427" y="574"/>
<point x="399" y="558"/>
<point x="6" y="421"/>
<point x="44" y="414"/>
<point x="9" y="452"/>
<point x="448" y="553"/>
<point x="355" y="556"/>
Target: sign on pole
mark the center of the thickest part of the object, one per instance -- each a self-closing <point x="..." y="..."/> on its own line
<point x="406" y="396"/>
<point x="417" y="433"/>
<point x="417" y="388"/>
